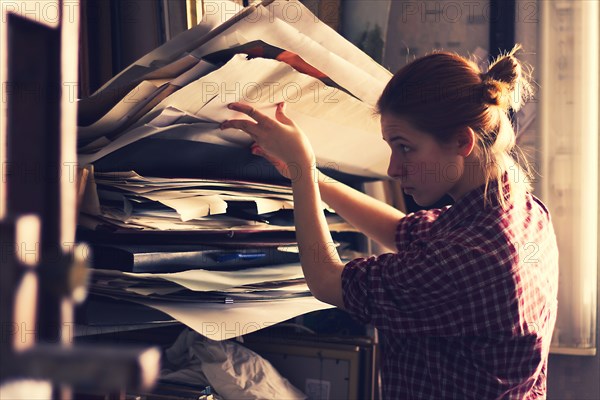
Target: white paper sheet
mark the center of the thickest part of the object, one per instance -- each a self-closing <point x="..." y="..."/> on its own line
<point x="179" y="45"/>
<point x="341" y="151"/>
<point x="274" y="29"/>
<point x="226" y="321"/>
<point x="202" y="280"/>
<point x="136" y="98"/>
<point x="155" y="222"/>
<point x="203" y="203"/>
<point x="165" y="125"/>
<point x="132" y="177"/>
<point x="196" y="206"/>
<point x="333" y="119"/>
<point x="295" y="14"/>
<point x="175" y="193"/>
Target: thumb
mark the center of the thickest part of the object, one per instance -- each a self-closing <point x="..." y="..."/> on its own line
<point x="258" y="151"/>
<point x="273" y="160"/>
<point x="280" y="114"/>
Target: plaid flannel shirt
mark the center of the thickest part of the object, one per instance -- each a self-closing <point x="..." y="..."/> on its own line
<point x="467" y="306"/>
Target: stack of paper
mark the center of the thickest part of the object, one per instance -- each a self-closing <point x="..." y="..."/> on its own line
<point x="217" y="304"/>
<point x="201" y="286"/>
<point x="182" y="89"/>
<point x="174" y="190"/>
<point x="128" y="200"/>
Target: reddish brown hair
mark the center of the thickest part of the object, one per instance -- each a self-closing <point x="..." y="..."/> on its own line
<point x="443" y="93"/>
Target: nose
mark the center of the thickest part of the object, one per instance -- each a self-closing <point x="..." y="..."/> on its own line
<point x="395" y="169"/>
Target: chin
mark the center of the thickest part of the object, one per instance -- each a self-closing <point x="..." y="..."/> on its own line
<point x="426" y="202"/>
<point x="423" y="203"/>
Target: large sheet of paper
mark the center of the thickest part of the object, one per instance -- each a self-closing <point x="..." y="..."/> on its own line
<point x="170" y="123"/>
<point x="247" y="309"/>
<point x="290" y="26"/>
<point x="336" y="123"/>
<point x="139" y="101"/>
<point x="189" y="200"/>
<point x="226" y="321"/>
<point x="335" y="118"/>
<point x="174" y="48"/>
<point x="203" y="280"/>
<point x="295" y="14"/>
<point x="91" y="109"/>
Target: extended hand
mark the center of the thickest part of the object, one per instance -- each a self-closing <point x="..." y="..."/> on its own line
<point x="279" y="140"/>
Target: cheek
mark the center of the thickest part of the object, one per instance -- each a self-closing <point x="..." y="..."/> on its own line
<point x="435" y="171"/>
<point x="394" y="166"/>
<point x="447" y="168"/>
<point x="452" y="171"/>
<point x="398" y="159"/>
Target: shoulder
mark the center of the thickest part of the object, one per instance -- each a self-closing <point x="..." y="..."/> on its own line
<point x="477" y="250"/>
<point x="423" y="218"/>
<point x="539" y="207"/>
<point x="417" y="225"/>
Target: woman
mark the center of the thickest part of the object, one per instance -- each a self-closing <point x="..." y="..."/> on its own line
<point x="467" y="303"/>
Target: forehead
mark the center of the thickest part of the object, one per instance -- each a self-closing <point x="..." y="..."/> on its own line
<point x="392" y="126"/>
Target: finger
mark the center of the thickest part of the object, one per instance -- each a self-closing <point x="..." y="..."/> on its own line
<point x="277" y="163"/>
<point x="280" y="114"/>
<point x="258" y="151"/>
<point x="249" y="111"/>
<point x="249" y="127"/>
<point x="255" y="149"/>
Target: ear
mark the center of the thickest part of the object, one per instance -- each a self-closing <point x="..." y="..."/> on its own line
<point x="465" y="142"/>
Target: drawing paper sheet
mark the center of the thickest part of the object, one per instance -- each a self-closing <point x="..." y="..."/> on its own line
<point x="333" y="119"/>
<point x="185" y="203"/>
<point x="176" y="47"/>
<point x="132" y="181"/>
<point x="92" y="108"/>
<point x="170" y="123"/>
<point x="127" y="105"/>
<point x="263" y="83"/>
<point x="203" y="280"/>
<point x="138" y="98"/>
<point x="195" y="202"/>
<point x="282" y="30"/>
<point x="197" y="206"/>
<point x="308" y="24"/>
<point x="226" y="321"/>
<point x="148" y="290"/>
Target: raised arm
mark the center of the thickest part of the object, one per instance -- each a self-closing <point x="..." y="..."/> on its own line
<point x="372" y="217"/>
<point x="283" y="140"/>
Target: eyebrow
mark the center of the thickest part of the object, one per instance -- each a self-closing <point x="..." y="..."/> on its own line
<point x="396" y="138"/>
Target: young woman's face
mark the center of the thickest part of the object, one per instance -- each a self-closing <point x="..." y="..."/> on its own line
<point x="426" y="169"/>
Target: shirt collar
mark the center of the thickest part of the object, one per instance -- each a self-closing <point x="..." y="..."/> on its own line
<point x="473" y="202"/>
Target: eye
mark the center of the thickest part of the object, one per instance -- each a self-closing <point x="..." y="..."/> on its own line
<point x="404" y="148"/>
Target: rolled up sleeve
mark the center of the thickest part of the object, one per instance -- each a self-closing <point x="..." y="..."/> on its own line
<point x="412" y="292"/>
<point x="415" y="290"/>
<point x="415" y="226"/>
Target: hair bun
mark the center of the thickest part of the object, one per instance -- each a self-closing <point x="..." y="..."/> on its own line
<point x="496" y="93"/>
<point x="505" y="69"/>
<point x="504" y="84"/>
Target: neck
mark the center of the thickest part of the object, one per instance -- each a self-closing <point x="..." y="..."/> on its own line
<point x="473" y="177"/>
